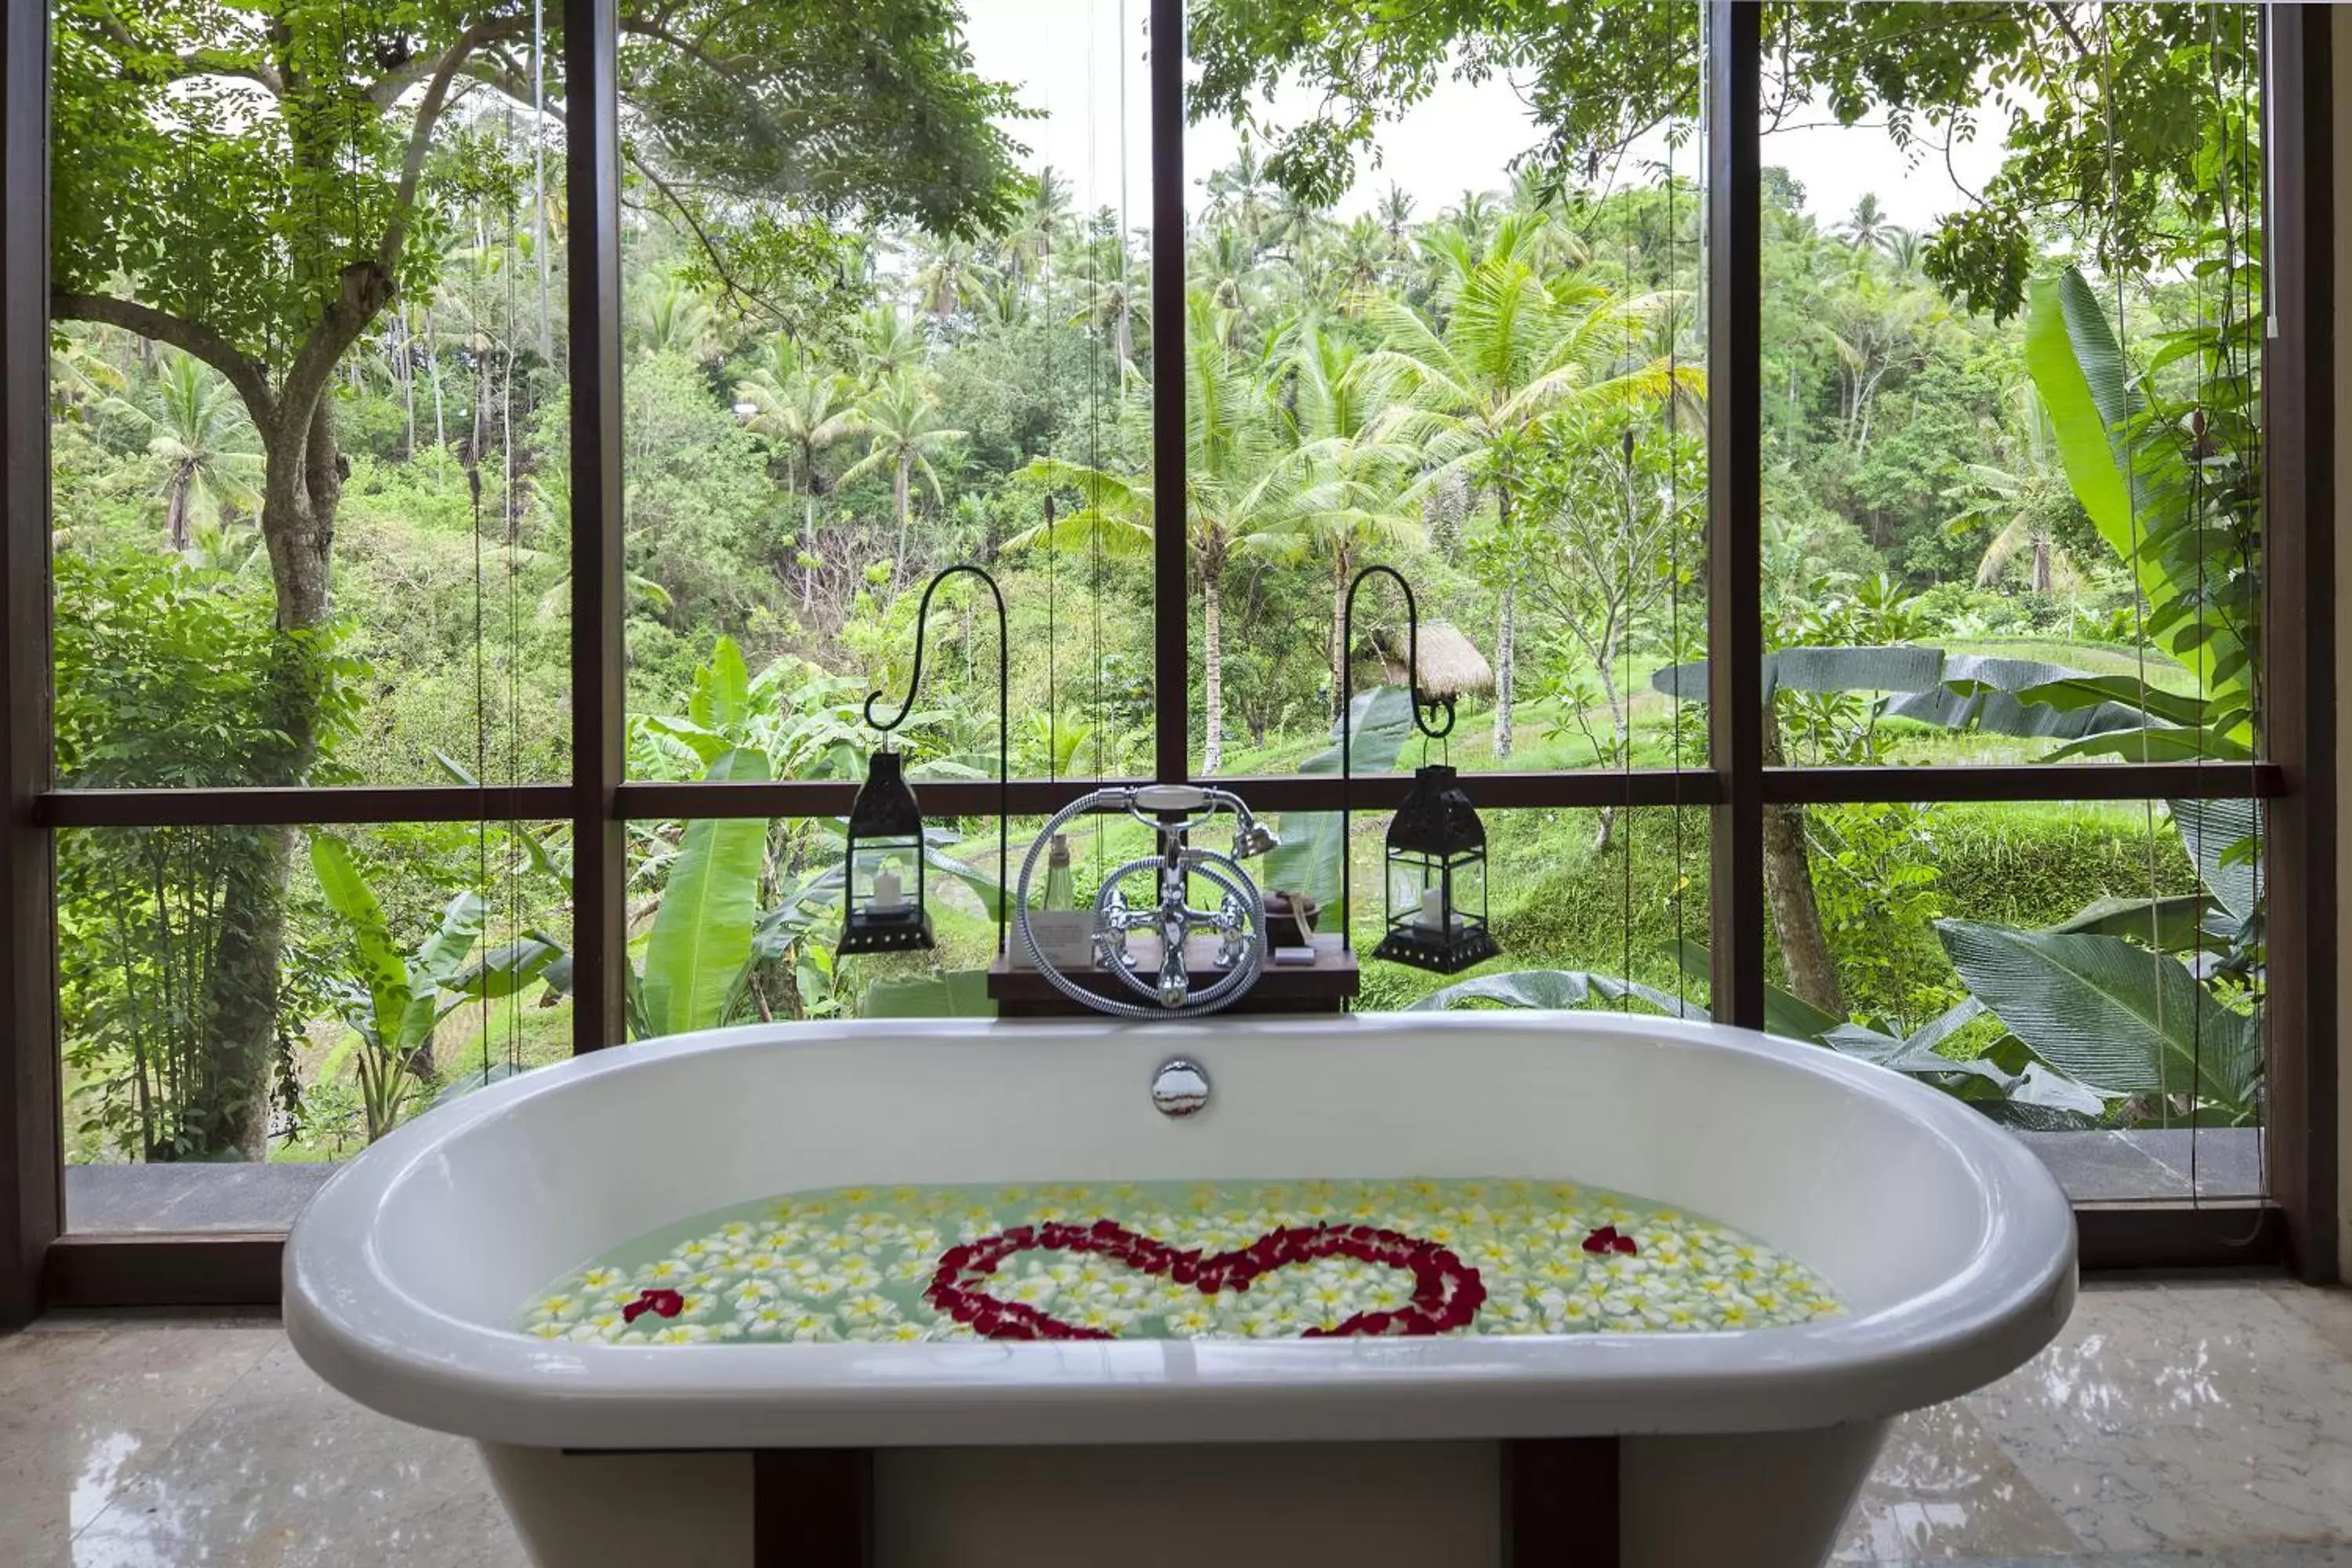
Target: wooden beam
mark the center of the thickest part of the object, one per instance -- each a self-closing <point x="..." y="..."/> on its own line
<point x="1735" y="603"/>
<point x="1560" y="1503"/>
<point x="592" y="237"/>
<point x="31" y="1107"/>
<point x="1171" y="656"/>
<point x="2295" y="694"/>
<point x="226" y="1270"/>
<point x="813" y="1508"/>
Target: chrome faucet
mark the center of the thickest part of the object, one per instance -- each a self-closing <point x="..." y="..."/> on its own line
<point x="1174" y="811"/>
<point x="1173" y="919"/>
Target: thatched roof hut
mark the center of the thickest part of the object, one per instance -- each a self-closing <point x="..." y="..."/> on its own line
<point x="1451" y="664"/>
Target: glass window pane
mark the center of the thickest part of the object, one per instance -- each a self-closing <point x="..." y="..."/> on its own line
<point x="2011" y="355"/>
<point x="927" y="343"/>
<point x="1464" y="345"/>
<point x="1580" y="901"/>
<point x="2088" y="972"/>
<point x="211" y="1080"/>
<point x="309" y="451"/>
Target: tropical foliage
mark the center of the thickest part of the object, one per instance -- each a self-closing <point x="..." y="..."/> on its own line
<point x="313" y="500"/>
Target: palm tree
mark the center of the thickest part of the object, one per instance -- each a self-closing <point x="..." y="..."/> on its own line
<point x="1241" y="195"/>
<point x="952" y="275"/>
<point x="198" y="428"/>
<point x="808" y="413"/>
<point x="1362" y="256"/>
<point x="888" y="344"/>
<point x="1247" y="486"/>
<point x="1904" y="251"/>
<point x="2023" y="502"/>
<point x="1512" y="349"/>
<point x="1356" y="506"/>
<point x="1040" y="229"/>
<point x="1866" y="228"/>
<point x="902" y="425"/>
<point x="668" y="317"/>
<point x="1395" y="213"/>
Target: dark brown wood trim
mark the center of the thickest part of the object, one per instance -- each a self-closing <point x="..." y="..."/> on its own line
<point x="255" y="808"/>
<point x="811" y="1507"/>
<point x="1560" y="1503"/>
<point x="2121" y="780"/>
<point x="1735" y="569"/>
<point x="649" y="800"/>
<point x="1171" y="648"/>
<point x="2297" y="700"/>
<point x="163" y="1270"/>
<point x="31" y="1107"/>
<point x="600" y="868"/>
<point x="1032" y="798"/>
<point x="2154" y="1237"/>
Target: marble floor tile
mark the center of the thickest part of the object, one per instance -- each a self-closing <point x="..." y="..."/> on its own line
<point x="1943" y="1490"/>
<point x="85" y="1408"/>
<point x="283" y="1472"/>
<point x="2174" y="1417"/>
<point x="2249" y="1557"/>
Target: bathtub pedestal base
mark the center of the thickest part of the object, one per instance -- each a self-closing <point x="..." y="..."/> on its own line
<point x="1765" y="1501"/>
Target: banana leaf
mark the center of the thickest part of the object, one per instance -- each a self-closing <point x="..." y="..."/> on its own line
<point x="957" y="993"/>
<point x="1556" y="988"/>
<point x="701" y="938"/>
<point x="2109" y="1013"/>
<point x="1309" y="858"/>
<point x="383" y="967"/>
<point x="2219" y="836"/>
<point x="2173" y="924"/>
<point x="1784" y="1013"/>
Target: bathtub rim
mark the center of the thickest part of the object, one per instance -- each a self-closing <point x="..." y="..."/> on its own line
<point x="366" y="1336"/>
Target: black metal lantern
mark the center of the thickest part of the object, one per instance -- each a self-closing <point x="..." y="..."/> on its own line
<point x="1437" y="878"/>
<point x="883" y="911"/>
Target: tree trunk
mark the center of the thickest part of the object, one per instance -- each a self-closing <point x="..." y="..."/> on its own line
<point x="406" y="373"/>
<point x="1339" y="634"/>
<point x="432" y="369"/>
<point x="901" y="478"/>
<point x="1506" y="631"/>
<point x="1213" y="680"/>
<point x="2041" y="562"/>
<point x="808" y="551"/>
<point x="175" y="511"/>
<point x="1788" y="892"/>
<point x="1506" y="637"/>
<point x="301" y="487"/>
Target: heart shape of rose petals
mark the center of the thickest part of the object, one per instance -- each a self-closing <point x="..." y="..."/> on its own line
<point x="1446" y="1293"/>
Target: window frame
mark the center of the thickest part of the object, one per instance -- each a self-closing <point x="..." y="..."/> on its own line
<point x="41" y="1264"/>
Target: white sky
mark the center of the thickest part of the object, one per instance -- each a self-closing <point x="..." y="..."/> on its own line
<point x="1072" y="57"/>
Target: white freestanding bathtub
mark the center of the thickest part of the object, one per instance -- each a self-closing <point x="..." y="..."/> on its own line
<point x="1951" y="1245"/>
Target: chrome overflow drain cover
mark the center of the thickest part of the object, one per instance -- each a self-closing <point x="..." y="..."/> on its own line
<point x="1179" y="1088"/>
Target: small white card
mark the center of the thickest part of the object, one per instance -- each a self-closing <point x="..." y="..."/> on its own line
<point x="1067" y="937"/>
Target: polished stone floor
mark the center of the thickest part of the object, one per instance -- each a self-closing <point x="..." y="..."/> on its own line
<point x="2181" y="1425"/>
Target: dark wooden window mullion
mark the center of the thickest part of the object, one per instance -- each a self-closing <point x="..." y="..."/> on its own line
<point x="593" y="238"/>
<point x="2297" y="696"/>
<point x="649" y="799"/>
<point x="31" y="1103"/>
<point x="1735" y="583"/>
<point x="1171" y="656"/>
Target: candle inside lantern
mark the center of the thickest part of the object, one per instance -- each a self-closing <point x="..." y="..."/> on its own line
<point x="1432" y="910"/>
<point x="889" y="893"/>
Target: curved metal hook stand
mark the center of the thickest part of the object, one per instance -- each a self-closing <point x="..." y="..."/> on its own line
<point x="1424" y="719"/>
<point x="1003" y="714"/>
